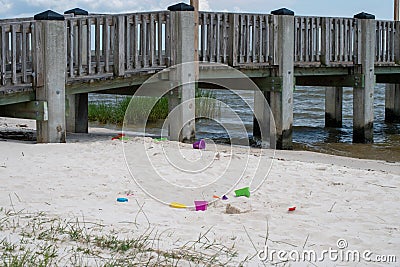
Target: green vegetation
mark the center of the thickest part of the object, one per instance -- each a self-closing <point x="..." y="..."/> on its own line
<point x="36" y="239"/>
<point x="206" y="106"/>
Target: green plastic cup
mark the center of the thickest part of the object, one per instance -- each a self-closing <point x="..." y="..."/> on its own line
<point x="243" y="192"/>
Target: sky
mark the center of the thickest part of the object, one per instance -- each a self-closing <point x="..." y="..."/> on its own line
<point x="382" y="9"/>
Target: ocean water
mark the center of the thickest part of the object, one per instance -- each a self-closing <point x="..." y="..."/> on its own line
<point x="309" y="131"/>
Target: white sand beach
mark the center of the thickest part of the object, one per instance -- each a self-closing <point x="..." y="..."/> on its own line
<point x="336" y="198"/>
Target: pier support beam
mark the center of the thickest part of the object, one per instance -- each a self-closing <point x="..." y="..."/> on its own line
<point x="392" y="103"/>
<point x="282" y="98"/>
<point x="333" y="106"/>
<point x="363" y="94"/>
<point x="49" y="74"/>
<point x="77" y="113"/>
<point x="182" y="99"/>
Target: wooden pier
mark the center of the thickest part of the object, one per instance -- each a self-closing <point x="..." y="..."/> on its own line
<point x="49" y="63"/>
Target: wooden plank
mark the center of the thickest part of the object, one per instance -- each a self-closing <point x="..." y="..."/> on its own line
<point x="89" y="47"/>
<point x="135" y="43"/>
<point x="254" y="40"/>
<point x="247" y="51"/>
<point x="331" y="80"/>
<point x="169" y="40"/>
<point x="260" y="39"/>
<point x="81" y="44"/>
<point x="13" y="55"/>
<point x="195" y="4"/>
<point x="301" y="40"/>
<point x="97" y="45"/>
<point x="211" y="42"/>
<point x="318" y="40"/>
<point x="160" y="40"/>
<point x="34" y="110"/>
<point x="128" y="48"/>
<point x="203" y="26"/>
<point x="218" y="39"/>
<point x="3" y="55"/>
<point x="152" y="46"/>
<point x="233" y="39"/>
<point x="119" y="49"/>
<point x="143" y="40"/>
<point x="18" y="95"/>
<point x="242" y="44"/>
<point x="24" y="40"/>
<point x="106" y="44"/>
<point x="392" y="47"/>
<point x="70" y="48"/>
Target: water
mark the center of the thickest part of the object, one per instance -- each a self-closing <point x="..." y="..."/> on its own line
<point x="309" y="119"/>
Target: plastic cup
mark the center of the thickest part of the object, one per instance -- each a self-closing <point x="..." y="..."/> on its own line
<point x="201" y="144"/>
<point x="201" y="205"/>
<point x="243" y="192"/>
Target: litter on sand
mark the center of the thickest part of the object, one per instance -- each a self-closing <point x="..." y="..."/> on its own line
<point x="243" y="192"/>
<point x="177" y="205"/>
<point x="201" y="205"/>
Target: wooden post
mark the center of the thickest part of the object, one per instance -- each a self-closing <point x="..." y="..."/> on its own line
<point x="392" y="93"/>
<point x="233" y="48"/>
<point x="333" y="106"/>
<point x="50" y="72"/>
<point x="119" y="44"/>
<point x="182" y="120"/>
<point x="77" y="105"/>
<point x="363" y="95"/>
<point x="282" y="98"/>
<point x="195" y="5"/>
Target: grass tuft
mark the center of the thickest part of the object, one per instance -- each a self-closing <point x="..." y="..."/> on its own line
<point x="106" y="113"/>
<point x="35" y="239"/>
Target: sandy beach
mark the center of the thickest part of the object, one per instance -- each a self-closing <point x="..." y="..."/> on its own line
<point x="342" y="204"/>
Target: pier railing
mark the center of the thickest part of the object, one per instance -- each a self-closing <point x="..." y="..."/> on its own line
<point x="16" y="52"/>
<point x="106" y="45"/>
<point x="117" y="44"/>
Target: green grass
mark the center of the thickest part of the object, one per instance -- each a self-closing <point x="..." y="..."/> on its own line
<point x="35" y="239"/>
<point x="105" y="113"/>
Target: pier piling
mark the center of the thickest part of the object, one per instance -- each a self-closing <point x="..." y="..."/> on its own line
<point x="49" y="79"/>
<point x="363" y="92"/>
<point x="182" y="120"/>
<point x="333" y="106"/>
<point x="282" y="98"/>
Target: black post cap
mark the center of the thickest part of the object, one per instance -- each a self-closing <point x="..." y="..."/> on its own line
<point x="48" y="15"/>
<point x="364" y="15"/>
<point x="77" y="12"/>
<point x="181" y="7"/>
<point x="283" y="11"/>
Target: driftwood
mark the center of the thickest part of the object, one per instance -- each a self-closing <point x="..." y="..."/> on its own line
<point x="22" y="135"/>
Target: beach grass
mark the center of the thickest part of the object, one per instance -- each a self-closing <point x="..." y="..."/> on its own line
<point x="114" y="113"/>
<point x="37" y="239"/>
